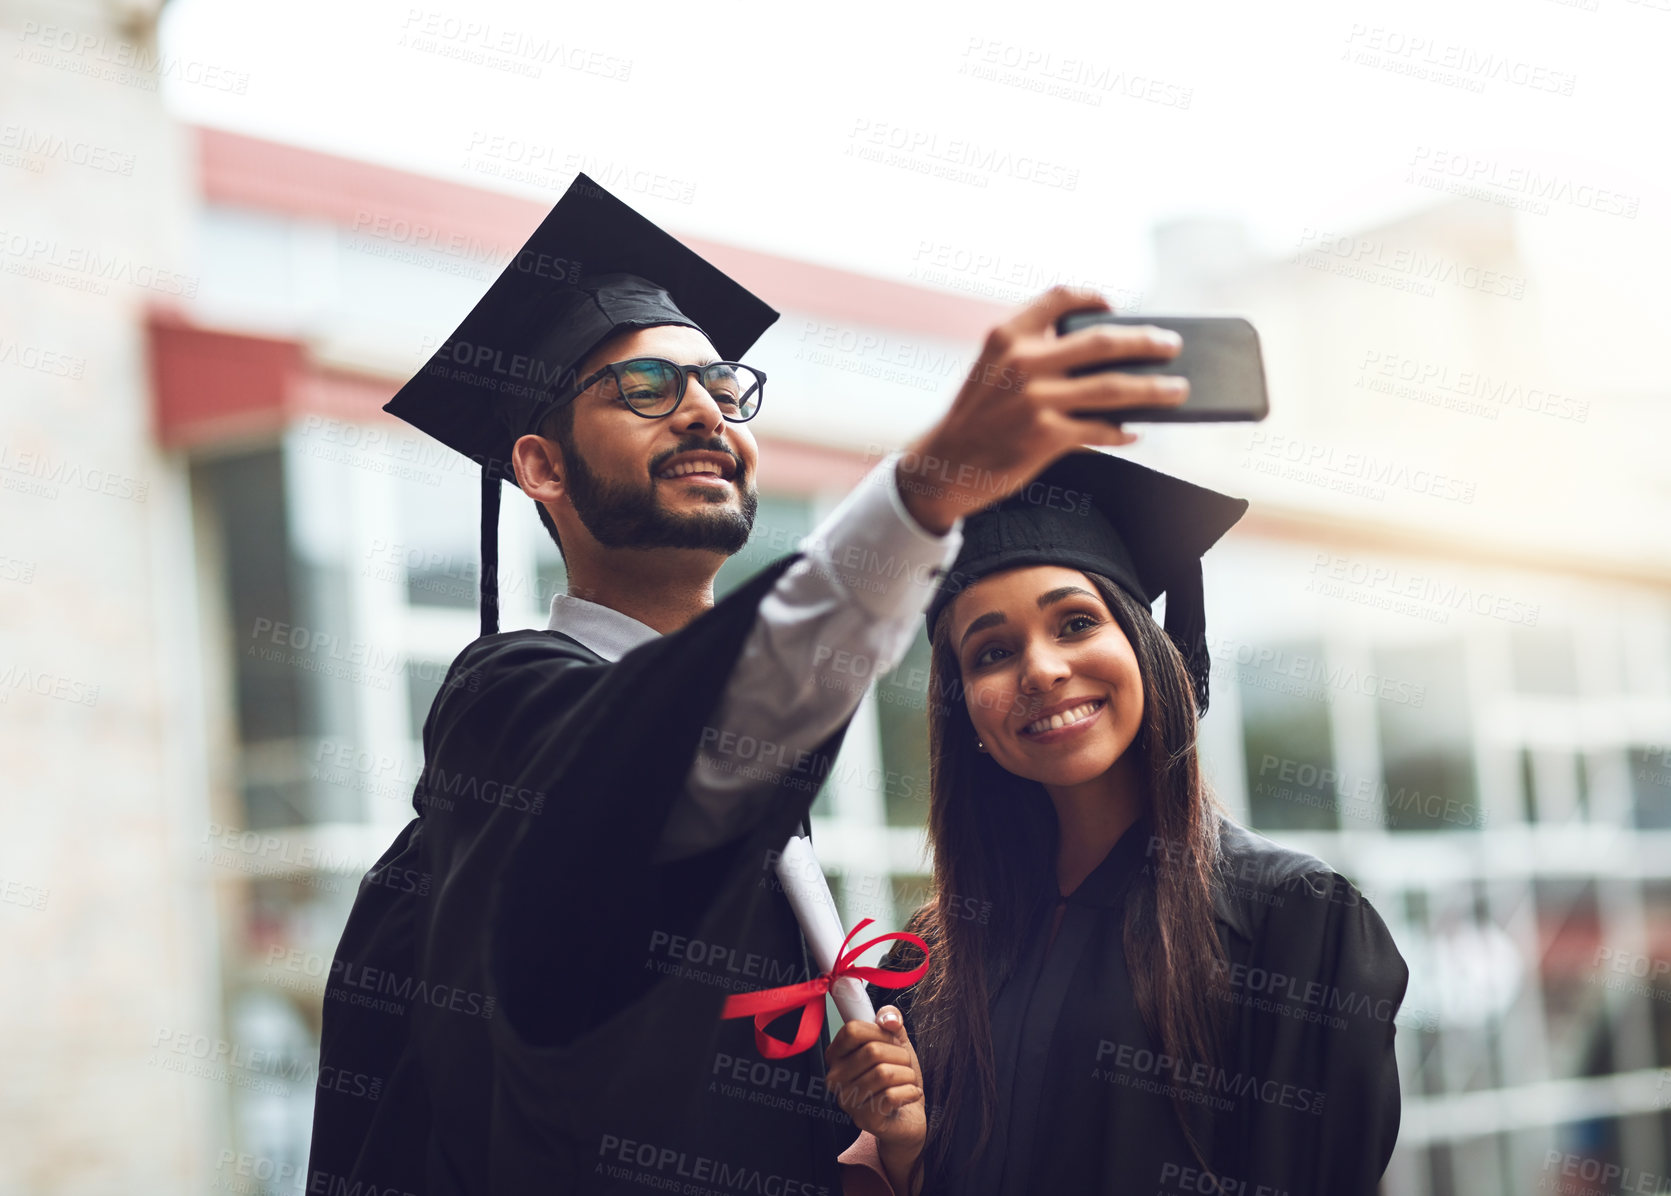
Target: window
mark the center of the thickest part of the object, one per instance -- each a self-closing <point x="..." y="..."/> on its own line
<point x="902" y="717"/>
<point x="1291" y="776"/>
<point x="1427" y="751"/>
<point x="439" y="538"/>
<point x="1650" y="786"/>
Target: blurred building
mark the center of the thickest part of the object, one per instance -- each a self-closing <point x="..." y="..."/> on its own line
<point x="1450" y="625"/>
<point x="232" y="586"/>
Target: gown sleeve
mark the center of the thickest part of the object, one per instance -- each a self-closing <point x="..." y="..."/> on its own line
<point x="480" y="1003"/>
<point x="1316" y="1065"/>
<point x="599" y="752"/>
<point x="596" y="1047"/>
<point x="842" y="615"/>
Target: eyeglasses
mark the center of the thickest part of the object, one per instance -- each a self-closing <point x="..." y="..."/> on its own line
<point x="654" y="387"/>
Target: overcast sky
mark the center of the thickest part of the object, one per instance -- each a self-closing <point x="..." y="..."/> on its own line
<point x="1044" y="136"/>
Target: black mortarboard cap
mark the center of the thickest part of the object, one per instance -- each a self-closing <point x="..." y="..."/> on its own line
<point x="1144" y="530"/>
<point x="593" y="268"/>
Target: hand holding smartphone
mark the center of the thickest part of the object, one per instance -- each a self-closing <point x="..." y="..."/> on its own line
<point x="1220" y="358"/>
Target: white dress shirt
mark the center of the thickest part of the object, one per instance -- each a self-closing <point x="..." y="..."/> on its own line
<point x="842" y="615"/>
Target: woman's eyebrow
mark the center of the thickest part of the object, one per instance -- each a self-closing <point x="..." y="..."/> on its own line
<point x="990" y="619"/>
<point x="1061" y="592"/>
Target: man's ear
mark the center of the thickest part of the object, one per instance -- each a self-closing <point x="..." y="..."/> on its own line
<point x="538" y="464"/>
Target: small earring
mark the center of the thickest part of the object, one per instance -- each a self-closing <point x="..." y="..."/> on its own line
<point x="979" y="746"/>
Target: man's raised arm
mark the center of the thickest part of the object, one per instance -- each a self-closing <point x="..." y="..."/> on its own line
<point x="847" y="611"/>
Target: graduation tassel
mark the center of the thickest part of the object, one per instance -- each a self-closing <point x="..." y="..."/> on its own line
<point x="490" y="552"/>
<point x="1186" y="623"/>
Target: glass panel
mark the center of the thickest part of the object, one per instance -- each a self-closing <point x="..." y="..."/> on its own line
<point x="1650" y="787"/>
<point x="1439" y="1171"/>
<point x="1427" y="753"/>
<point x="1643" y="1140"/>
<point x="247" y="491"/>
<point x="336" y="658"/>
<point x="1585" y="1152"/>
<point x="1574" y="992"/>
<point x="1656" y="914"/>
<point x="274" y="802"/>
<point x="423" y="682"/>
<point x="439" y="540"/>
<point x="272" y="1071"/>
<point x="294" y="670"/>
<point x="451" y="582"/>
<point x="902" y="717"/>
<point x="1292" y="782"/>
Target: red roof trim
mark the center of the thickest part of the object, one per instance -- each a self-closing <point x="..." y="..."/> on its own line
<point x="248" y="172"/>
<point x="211" y="386"/>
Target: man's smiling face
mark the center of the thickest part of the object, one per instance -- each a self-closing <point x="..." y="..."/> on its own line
<point x="682" y="481"/>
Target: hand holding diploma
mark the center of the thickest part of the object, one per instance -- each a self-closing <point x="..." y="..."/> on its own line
<point x="871" y="1067"/>
<point x="874" y="1075"/>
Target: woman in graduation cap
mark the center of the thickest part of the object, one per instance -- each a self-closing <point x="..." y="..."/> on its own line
<point x="1151" y="998"/>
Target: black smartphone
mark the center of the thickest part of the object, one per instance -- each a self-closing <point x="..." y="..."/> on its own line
<point x="1220" y="357"/>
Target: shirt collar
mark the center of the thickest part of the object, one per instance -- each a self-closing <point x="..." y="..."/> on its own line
<point x="603" y="629"/>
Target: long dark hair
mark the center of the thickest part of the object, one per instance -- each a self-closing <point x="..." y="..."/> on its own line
<point x="994" y="837"/>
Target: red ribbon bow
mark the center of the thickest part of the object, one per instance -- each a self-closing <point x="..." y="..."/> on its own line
<point x="769" y="1004"/>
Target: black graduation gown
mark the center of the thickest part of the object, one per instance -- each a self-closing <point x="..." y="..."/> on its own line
<point x="1305" y="1101"/>
<point x="539" y="1010"/>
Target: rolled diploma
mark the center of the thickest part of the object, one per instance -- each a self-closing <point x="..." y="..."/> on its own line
<point x="815" y="909"/>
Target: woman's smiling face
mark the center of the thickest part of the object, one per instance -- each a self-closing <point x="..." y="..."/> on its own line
<point x="1050" y="681"/>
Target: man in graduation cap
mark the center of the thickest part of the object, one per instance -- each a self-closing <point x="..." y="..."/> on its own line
<point x="546" y="1017"/>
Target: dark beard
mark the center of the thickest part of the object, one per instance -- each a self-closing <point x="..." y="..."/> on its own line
<point x="622" y="515"/>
